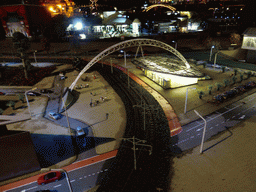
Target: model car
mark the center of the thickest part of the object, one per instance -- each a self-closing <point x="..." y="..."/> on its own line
<point x="62" y="76"/>
<point x="49" y="177"/>
<point x="54" y="115"/>
<point x="33" y="93"/>
<point x="80" y="131"/>
<point x="46" y="91"/>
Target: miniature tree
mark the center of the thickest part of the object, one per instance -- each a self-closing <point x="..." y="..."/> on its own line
<point x="226" y="82"/>
<point x="210" y="89"/>
<point x="21" y="43"/>
<point x="200" y="93"/>
<point x="235" y="38"/>
<point x="223" y="69"/>
<point x="1" y="111"/>
<point x="241" y="77"/>
<point x="249" y="73"/>
<point x="218" y="85"/>
<point x="235" y="71"/>
<point x="21" y="97"/>
<point x="11" y="104"/>
<point x="234" y="79"/>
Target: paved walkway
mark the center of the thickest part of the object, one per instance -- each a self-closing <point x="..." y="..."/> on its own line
<point x="228" y="166"/>
<point x="111" y="128"/>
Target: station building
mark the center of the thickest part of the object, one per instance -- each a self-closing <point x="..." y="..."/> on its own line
<point x="168" y="71"/>
<point x="249" y="43"/>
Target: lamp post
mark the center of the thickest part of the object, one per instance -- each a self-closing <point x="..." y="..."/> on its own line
<point x="215" y="59"/>
<point x="35" y="88"/>
<point x="186" y="100"/>
<point x="201" y="148"/>
<point x="66" y="114"/>
<point x="124" y="56"/>
<point x="111" y="63"/>
<point x="68" y="181"/>
<point x="175" y="44"/>
<point x="35" y="55"/>
<point x="211" y="53"/>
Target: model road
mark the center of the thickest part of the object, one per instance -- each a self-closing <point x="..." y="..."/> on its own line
<point x="219" y="121"/>
<point x="79" y="179"/>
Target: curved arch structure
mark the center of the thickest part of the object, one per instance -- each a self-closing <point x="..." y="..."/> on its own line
<point x="126" y="44"/>
<point x="160" y="5"/>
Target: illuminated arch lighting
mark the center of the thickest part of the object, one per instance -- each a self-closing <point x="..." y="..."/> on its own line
<point x="160" y="5"/>
<point x="126" y="44"/>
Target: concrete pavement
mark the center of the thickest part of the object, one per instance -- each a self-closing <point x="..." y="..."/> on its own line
<point x="229" y="164"/>
<point x="112" y="127"/>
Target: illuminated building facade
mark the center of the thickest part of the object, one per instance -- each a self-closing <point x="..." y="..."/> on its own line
<point x="167" y="71"/>
<point x="27" y="19"/>
<point x="59" y="6"/>
<point x="249" y="43"/>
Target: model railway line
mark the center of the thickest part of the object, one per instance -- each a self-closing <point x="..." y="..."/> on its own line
<point x="122" y="176"/>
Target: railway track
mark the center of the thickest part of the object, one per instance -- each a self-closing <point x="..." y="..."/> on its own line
<point x="154" y="129"/>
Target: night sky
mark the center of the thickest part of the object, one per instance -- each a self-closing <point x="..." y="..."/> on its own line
<point x="117" y="3"/>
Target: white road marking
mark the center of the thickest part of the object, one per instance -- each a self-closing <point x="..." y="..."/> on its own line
<point x="242" y="117"/>
<point x="217" y="125"/>
<point x="90" y="164"/>
<point x="72" y="181"/>
<point x="233" y="117"/>
<point x="57" y="186"/>
<point x="85" y="176"/>
<point x="220" y="114"/>
<point x="20" y="186"/>
<point x="81" y="178"/>
<point x="30" y="188"/>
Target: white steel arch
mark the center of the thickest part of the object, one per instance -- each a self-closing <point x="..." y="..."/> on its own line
<point x="160" y="5"/>
<point x="130" y="43"/>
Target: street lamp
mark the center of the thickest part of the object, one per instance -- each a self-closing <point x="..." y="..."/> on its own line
<point x="124" y="56"/>
<point x="186" y="100"/>
<point x="175" y="44"/>
<point x="33" y="89"/>
<point x="35" y="55"/>
<point x="215" y="59"/>
<point x="201" y="148"/>
<point x="66" y="114"/>
<point x="68" y="180"/>
<point x="211" y="53"/>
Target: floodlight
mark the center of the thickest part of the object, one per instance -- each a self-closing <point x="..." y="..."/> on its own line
<point x="78" y="26"/>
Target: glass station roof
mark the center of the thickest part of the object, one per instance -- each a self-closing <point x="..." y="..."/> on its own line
<point x="167" y="64"/>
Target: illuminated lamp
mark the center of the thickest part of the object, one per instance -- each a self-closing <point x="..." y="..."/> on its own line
<point x="52" y="10"/>
<point x="82" y="36"/>
<point x="78" y="26"/>
<point x="173" y="81"/>
<point x="59" y="6"/>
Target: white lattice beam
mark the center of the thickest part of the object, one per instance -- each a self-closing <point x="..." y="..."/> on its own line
<point x="126" y="44"/>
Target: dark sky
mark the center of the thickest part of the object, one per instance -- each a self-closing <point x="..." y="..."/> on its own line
<point x="129" y="3"/>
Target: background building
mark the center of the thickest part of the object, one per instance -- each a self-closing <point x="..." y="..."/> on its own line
<point x="27" y="19"/>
